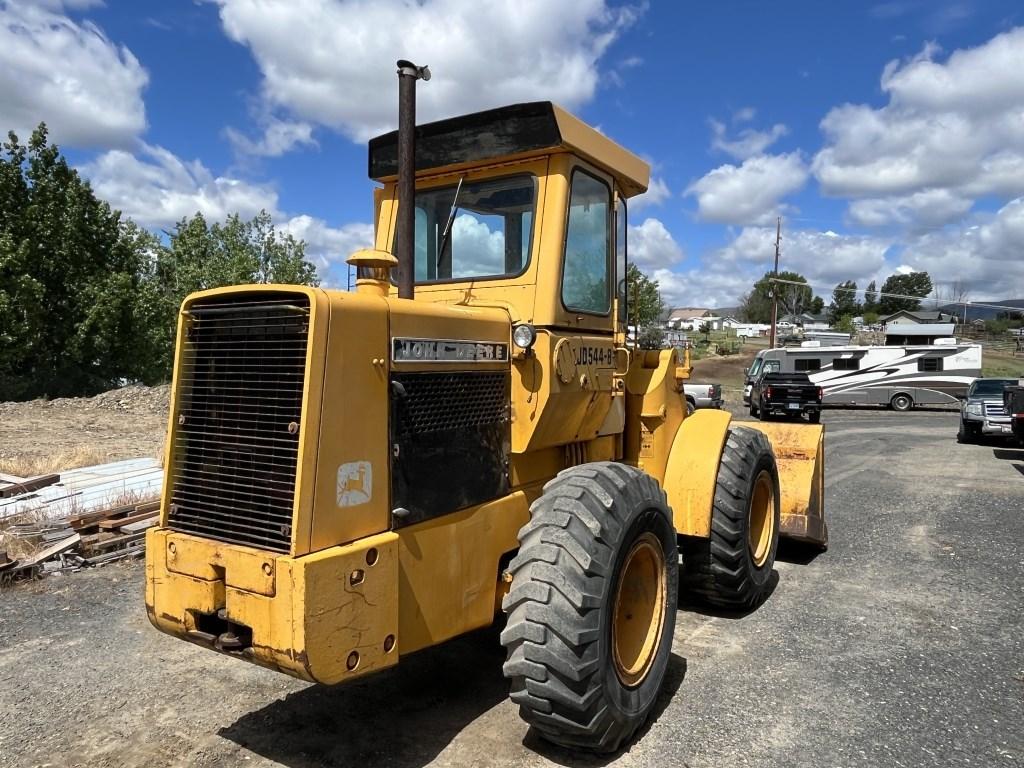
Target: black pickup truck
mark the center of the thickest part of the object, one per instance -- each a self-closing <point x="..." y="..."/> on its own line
<point x="788" y="394"/>
<point x="1013" y="401"/>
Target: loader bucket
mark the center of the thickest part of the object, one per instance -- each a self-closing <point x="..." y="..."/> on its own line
<point x="799" y="453"/>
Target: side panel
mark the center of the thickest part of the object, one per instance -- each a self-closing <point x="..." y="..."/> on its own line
<point x="352" y="487"/>
<point x="449" y="569"/>
<point x="563" y="391"/>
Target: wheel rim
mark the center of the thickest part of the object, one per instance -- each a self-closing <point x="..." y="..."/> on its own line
<point x="639" y="612"/>
<point x="761" y="519"/>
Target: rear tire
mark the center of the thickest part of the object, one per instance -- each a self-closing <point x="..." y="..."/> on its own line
<point x="690" y="407"/>
<point x="814" y="417"/>
<point x="733" y="567"/>
<point x="592" y="608"/>
<point x="901" y="402"/>
<point x="753" y="410"/>
<point x="763" y="414"/>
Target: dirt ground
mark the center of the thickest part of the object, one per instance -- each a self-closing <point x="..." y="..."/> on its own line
<point x="903" y="645"/>
<point x="47" y="435"/>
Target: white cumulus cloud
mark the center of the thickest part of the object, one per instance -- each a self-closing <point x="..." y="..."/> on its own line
<point x="332" y="62"/>
<point x="651" y="246"/>
<point x="748" y="142"/>
<point x="68" y="74"/>
<point x="750" y="193"/>
<point x="279" y="136"/>
<point x="952" y="131"/>
<point x="156" y="188"/>
<point x="656" y="194"/>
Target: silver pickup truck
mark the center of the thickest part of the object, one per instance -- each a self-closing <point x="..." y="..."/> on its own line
<point x="702" y="396"/>
<point x="982" y="413"/>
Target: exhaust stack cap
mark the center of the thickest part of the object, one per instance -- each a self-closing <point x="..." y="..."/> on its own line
<point x="409" y="69"/>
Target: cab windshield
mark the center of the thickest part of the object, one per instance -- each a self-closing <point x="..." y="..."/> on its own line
<point x="990" y="387"/>
<point x="489" y="227"/>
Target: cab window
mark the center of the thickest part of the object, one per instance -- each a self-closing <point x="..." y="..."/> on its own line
<point x="490" y="233"/>
<point x="586" y="268"/>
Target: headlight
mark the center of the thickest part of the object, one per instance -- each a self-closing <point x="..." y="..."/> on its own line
<point x="973" y="409"/>
<point x="523" y="335"/>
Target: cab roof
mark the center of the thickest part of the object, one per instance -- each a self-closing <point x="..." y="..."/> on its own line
<point x="513" y="132"/>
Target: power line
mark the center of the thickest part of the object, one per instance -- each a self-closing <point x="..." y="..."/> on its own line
<point x="899" y="295"/>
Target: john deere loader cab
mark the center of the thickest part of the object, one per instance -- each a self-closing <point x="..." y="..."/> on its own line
<point x="352" y="477"/>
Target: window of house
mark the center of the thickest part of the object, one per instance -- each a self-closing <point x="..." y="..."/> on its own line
<point x="807" y="364"/>
<point x="846" y="364"/>
<point x="929" y="363"/>
<point x="586" y="269"/>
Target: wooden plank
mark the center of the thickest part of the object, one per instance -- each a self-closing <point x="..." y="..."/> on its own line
<point x="10" y="479"/>
<point x="141" y="525"/>
<point x="52" y="551"/>
<point x="87" y="519"/>
<point x="110" y="542"/>
<point x="26" y="486"/>
<point x="111" y="524"/>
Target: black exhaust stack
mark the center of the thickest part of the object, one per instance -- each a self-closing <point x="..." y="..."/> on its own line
<point x="408" y="74"/>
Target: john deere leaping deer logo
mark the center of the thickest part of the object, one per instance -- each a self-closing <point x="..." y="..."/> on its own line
<point x="355" y="483"/>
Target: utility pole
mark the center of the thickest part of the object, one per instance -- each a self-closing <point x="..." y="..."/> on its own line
<point x="775" y="286"/>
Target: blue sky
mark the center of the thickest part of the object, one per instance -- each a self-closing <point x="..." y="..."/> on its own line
<point x="889" y="136"/>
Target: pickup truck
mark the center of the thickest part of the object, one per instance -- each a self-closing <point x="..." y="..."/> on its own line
<point x="983" y="413"/>
<point x="1013" y="402"/>
<point x="702" y="396"/>
<point x="788" y="394"/>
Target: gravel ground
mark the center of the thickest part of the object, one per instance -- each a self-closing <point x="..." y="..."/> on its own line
<point x="903" y="645"/>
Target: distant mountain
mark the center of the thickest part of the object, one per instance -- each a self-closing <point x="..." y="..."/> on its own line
<point x="981" y="313"/>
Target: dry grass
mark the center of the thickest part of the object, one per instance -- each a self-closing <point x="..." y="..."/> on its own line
<point x="998" y="364"/>
<point x="73" y="458"/>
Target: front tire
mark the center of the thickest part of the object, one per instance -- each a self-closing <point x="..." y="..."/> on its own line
<point x="965" y="434"/>
<point x="592" y="608"/>
<point x="733" y="567"/>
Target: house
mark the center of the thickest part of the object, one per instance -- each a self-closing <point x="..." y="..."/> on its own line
<point x="917" y="333"/>
<point x="918" y="317"/>
<point x="682" y="318"/>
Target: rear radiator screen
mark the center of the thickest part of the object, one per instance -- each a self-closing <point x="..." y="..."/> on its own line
<point x="235" y="451"/>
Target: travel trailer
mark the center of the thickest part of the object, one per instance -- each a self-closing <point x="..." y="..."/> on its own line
<point x="897" y="376"/>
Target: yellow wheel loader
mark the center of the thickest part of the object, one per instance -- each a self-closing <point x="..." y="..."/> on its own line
<point x="356" y="476"/>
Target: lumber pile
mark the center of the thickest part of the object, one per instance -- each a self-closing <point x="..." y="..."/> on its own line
<point x="76" y="519"/>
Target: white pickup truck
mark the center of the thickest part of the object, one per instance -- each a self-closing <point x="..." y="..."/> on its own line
<point x="702" y="396"/>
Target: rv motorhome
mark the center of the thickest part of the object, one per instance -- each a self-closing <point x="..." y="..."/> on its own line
<point x="897" y="376"/>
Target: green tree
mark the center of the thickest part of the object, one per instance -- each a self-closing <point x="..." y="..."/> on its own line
<point x="645" y="308"/>
<point x="870" y="298"/>
<point x="200" y="256"/>
<point x="70" y="277"/>
<point x="844" y="323"/>
<point x="915" y="285"/>
<point x="817" y="305"/>
<point x="755" y="308"/>
<point x="844" y="302"/>
<point x="793" y="299"/>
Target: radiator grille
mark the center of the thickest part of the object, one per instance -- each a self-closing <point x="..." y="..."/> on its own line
<point x="236" y="443"/>
<point x="995" y="409"/>
<point x="439" y="402"/>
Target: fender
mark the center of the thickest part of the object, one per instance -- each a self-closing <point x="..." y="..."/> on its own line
<point x="692" y="470"/>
